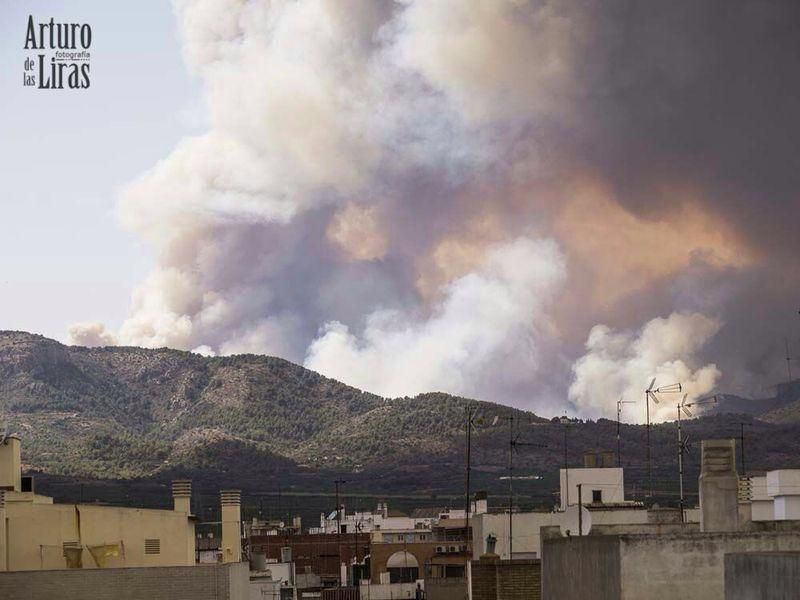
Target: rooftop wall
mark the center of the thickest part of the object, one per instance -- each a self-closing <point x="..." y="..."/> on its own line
<point x="762" y="576"/>
<point x="527" y="528"/>
<point x="577" y="568"/>
<point x="37" y="533"/>
<point x="690" y="567"/>
<point x="211" y="582"/>
<point x="493" y="578"/>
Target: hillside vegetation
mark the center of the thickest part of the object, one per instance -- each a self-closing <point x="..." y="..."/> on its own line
<point x="260" y="422"/>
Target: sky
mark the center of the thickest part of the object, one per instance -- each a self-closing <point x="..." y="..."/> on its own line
<point x="540" y="203"/>
<point x="64" y="257"/>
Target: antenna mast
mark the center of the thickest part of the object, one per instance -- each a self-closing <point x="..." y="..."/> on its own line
<point x="650" y="394"/>
<point x="512" y="446"/>
<point x="683" y="443"/>
<point x="620" y="402"/>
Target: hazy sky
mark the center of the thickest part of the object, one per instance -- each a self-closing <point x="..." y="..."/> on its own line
<point x="63" y="257"/>
<point x="539" y="202"/>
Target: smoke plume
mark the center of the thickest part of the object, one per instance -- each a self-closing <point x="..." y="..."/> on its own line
<point x="451" y="195"/>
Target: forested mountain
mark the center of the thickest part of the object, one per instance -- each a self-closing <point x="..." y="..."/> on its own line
<point x="260" y="422"/>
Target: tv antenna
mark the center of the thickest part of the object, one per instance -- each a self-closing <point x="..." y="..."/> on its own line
<point x="620" y="402"/>
<point x="683" y="443"/>
<point x="513" y="443"/>
<point x="650" y="395"/>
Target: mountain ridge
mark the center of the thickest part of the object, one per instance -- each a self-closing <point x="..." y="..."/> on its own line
<point x="128" y="413"/>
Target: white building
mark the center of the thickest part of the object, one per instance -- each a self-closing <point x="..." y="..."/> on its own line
<point x="603" y="495"/>
<point x="599" y="485"/>
<point x="775" y="495"/>
<point x="783" y="486"/>
<point x="761" y="503"/>
<point x="385" y="520"/>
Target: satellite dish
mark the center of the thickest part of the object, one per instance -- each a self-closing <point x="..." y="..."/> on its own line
<point x="571" y="521"/>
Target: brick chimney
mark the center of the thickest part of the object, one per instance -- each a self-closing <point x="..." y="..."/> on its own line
<point x="231" y="501"/>
<point x="182" y="495"/>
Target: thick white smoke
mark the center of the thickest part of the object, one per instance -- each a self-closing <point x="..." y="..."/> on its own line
<point x="91" y="335"/>
<point x="622" y="364"/>
<point x="484" y="328"/>
<point x="372" y="198"/>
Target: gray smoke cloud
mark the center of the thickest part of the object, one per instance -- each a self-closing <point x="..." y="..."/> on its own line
<point x="542" y="203"/>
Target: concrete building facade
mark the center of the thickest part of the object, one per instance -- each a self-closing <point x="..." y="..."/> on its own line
<point x="38" y="534"/>
<point x="603" y="495"/>
<point x="656" y="567"/>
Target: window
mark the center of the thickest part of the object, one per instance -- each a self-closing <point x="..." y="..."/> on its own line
<point x="597" y="496"/>
<point x="402" y="567"/>
<point x="453" y="571"/>
<point x="152" y="546"/>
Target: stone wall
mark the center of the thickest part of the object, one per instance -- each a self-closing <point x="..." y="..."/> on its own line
<point x="206" y="582"/>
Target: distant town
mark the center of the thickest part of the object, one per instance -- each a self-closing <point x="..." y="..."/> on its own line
<point x="743" y="533"/>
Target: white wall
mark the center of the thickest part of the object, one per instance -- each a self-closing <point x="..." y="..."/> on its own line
<point x="610" y="482"/>
<point x="389" y="591"/>
<point x="783" y="487"/>
<point x="527" y="526"/>
<point x="783" y="482"/>
<point x="787" y="508"/>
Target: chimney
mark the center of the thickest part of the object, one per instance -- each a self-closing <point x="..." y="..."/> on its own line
<point x="231" y="501"/>
<point x="182" y="495"/>
<point x="719" y="487"/>
<point x="481" y="503"/>
<point x="10" y="465"/>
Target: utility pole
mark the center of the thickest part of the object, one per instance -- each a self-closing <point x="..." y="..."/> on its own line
<point x="741" y="445"/>
<point x="469" y="425"/>
<point x="681" y="448"/>
<point x="620" y="402"/>
<point x="337" y="482"/>
<point x="580" y="510"/>
<point x="512" y="446"/>
<point x="566" y="464"/>
<point x="650" y="394"/>
<point x="788" y="360"/>
<point x="683" y="407"/>
<point x="511" y="487"/>
<point x="649" y="463"/>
